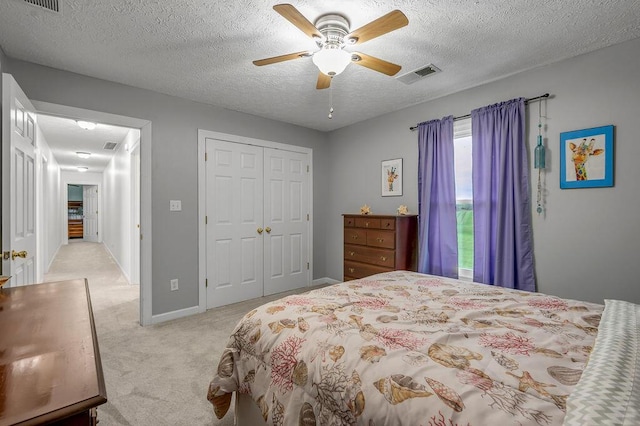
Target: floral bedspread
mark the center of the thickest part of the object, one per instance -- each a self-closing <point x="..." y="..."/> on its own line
<point x="407" y="348"/>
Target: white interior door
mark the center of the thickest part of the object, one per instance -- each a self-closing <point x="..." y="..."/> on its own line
<point x="90" y="213"/>
<point x="286" y="222"/>
<point x="18" y="185"/>
<point x="234" y="211"/>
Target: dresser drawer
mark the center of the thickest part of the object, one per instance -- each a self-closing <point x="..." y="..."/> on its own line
<point x="355" y="236"/>
<point x="388" y="223"/>
<point x="374" y="256"/>
<point x="367" y="222"/>
<point x="384" y="239"/>
<point x="349" y="222"/>
<point x="361" y="270"/>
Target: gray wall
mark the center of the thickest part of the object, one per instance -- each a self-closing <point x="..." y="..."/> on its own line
<point x="175" y="123"/>
<point x="587" y="244"/>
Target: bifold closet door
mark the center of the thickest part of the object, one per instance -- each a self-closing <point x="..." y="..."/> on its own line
<point x="257" y="221"/>
<point x="234" y="179"/>
<point x="286" y="204"/>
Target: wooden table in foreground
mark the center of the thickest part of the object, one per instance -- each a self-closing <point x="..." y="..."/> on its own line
<point x="50" y="369"/>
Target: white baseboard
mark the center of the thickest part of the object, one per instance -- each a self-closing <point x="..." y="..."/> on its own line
<point x="325" y="280"/>
<point x="126" y="275"/>
<point x="50" y="262"/>
<point x="180" y="313"/>
<point x="168" y="316"/>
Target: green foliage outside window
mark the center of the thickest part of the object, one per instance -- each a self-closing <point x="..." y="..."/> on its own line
<point x="464" y="216"/>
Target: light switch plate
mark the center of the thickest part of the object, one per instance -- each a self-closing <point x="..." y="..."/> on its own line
<point x="175" y="205"/>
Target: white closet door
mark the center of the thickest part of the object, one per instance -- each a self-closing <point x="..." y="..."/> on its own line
<point x="18" y="181"/>
<point x="234" y="180"/>
<point x="90" y="213"/>
<point x="285" y="219"/>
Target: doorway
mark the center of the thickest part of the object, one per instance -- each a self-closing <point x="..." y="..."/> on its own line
<point x="141" y="152"/>
<point x="75" y="212"/>
<point x="82" y="213"/>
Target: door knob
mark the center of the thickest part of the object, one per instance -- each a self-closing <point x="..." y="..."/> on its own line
<point x="22" y="254"/>
<point x="260" y="231"/>
<point x="268" y="230"/>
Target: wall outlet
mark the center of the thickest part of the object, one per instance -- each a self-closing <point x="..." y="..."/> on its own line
<point x="175" y="205"/>
<point x="174" y="285"/>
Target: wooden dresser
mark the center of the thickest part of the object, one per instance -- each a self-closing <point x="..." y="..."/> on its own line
<point x="379" y="243"/>
<point x="50" y="369"/>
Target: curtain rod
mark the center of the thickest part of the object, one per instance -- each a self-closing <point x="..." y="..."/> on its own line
<point x="526" y="101"/>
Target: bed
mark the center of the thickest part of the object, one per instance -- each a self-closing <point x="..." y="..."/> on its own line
<point x="408" y="348"/>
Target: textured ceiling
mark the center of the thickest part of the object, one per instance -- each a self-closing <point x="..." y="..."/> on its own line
<point x="202" y="50"/>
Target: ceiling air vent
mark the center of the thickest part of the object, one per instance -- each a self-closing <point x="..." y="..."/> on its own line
<point x="50" y="5"/>
<point x="110" y="146"/>
<point x="413" y="76"/>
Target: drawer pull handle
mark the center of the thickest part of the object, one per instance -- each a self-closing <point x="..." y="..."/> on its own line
<point x="366" y="224"/>
<point x="380" y="240"/>
<point x="384" y="259"/>
<point x="388" y="224"/>
<point x="351" y="270"/>
<point x="351" y="253"/>
<point x="355" y="237"/>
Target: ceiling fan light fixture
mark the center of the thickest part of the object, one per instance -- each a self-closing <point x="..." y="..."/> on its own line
<point x="331" y="61"/>
<point x="86" y="125"/>
<point x="83" y="154"/>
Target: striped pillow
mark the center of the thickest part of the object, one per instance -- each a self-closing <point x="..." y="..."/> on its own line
<point x="608" y="392"/>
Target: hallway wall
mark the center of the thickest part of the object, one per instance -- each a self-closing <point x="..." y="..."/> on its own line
<point x="49" y="205"/>
<point x="116" y="211"/>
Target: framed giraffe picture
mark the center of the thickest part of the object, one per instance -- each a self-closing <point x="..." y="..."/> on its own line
<point x="586" y="158"/>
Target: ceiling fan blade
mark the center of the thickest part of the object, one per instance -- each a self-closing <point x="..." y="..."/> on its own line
<point x="384" y="24"/>
<point x="281" y="58"/>
<point x="376" y="64"/>
<point x="324" y="81"/>
<point x="292" y="15"/>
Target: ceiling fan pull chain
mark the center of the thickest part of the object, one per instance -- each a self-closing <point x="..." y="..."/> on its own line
<point x="330" y="102"/>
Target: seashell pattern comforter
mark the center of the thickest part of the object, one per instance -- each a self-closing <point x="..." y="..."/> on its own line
<point x="408" y="348"/>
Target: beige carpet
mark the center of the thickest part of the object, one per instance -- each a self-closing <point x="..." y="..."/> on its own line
<point x="155" y="375"/>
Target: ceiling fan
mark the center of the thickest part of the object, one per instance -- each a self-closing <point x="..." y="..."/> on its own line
<point x="331" y="33"/>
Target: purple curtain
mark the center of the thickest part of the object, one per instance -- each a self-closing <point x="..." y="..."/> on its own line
<point x="501" y="211"/>
<point x="438" y="238"/>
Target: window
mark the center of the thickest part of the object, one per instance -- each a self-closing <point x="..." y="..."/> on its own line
<point x="464" y="196"/>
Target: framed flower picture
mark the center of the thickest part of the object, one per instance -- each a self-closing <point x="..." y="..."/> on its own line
<point x="392" y="177"/>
